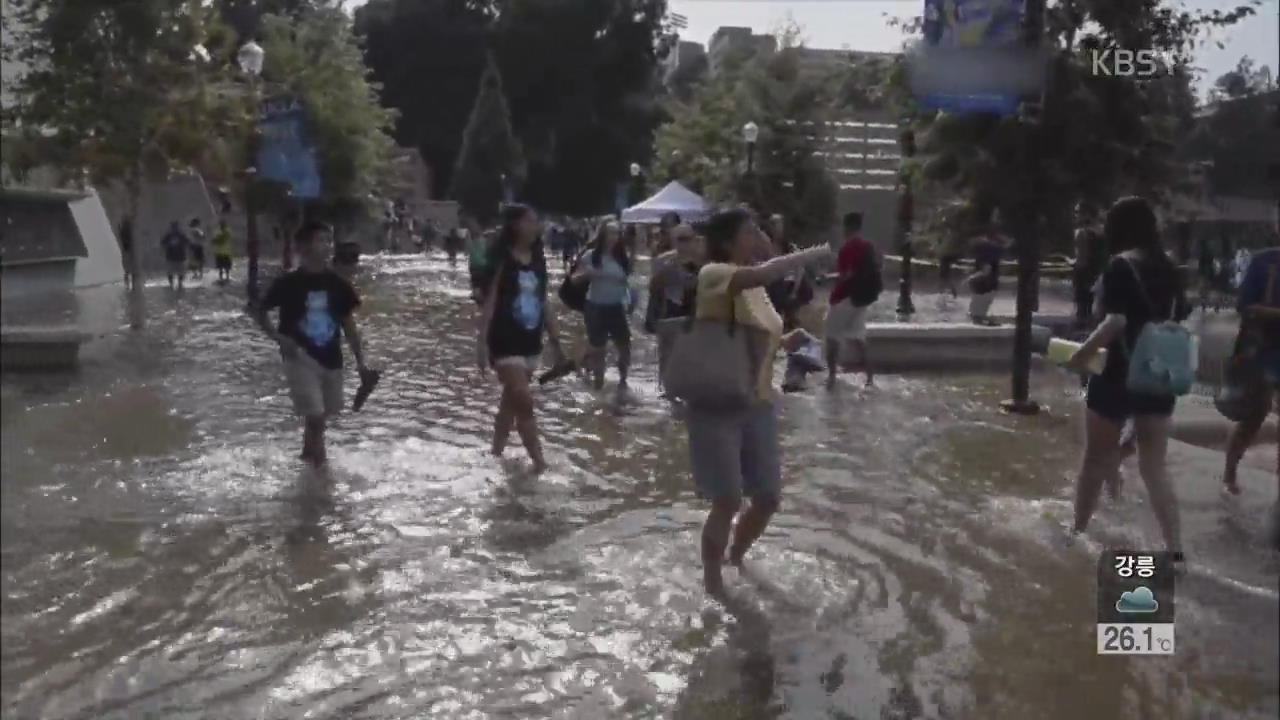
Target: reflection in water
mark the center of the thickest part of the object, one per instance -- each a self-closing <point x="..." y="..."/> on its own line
<point x="166" y="555"/>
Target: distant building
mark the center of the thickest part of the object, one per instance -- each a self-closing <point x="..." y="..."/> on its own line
<point x="685" y="60"/>
<point x="730" y="43"/>
<point x="860" y="149"/>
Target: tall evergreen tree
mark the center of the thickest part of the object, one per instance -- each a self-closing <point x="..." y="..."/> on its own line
<point x="490" y="152"/>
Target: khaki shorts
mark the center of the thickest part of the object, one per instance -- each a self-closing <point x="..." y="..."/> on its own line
<point x="846" y="322"/>
<point x="316" y="390"/>
<point x="529" y="363"/>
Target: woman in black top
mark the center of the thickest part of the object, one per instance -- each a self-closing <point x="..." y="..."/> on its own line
<point x="1139" y="285"/>
<point x="513" y="318"/>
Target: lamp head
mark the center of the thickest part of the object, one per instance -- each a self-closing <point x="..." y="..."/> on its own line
<point x="250" y="58"/>
<point x="750" y="132"/>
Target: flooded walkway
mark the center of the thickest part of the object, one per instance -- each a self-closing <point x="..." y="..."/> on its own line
<point x="165" y="555"/>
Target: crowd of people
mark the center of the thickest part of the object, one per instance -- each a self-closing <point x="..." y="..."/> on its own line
<point x="737" y="271"/>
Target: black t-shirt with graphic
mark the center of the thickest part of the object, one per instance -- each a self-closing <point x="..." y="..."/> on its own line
<point x="519" y="314"/>
<point x="313" y="306"/>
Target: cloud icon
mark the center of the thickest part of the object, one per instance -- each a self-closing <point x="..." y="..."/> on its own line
<point x="1141" y="600"/>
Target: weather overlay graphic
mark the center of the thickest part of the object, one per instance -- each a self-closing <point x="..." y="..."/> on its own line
<point x="1135" y="603"/>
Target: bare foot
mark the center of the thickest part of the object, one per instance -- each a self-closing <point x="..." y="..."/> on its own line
<point x="871" y="383"/>
<point x="1229" y="483"/>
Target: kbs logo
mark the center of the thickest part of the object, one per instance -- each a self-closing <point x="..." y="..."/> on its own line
<point x="1142" y="64"/>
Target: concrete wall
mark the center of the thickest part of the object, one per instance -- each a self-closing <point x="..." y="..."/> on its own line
<point x="79" y="283"/>
<point x="181" y="198"/>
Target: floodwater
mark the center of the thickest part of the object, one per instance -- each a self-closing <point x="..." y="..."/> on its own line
<point x="165" y="555"/>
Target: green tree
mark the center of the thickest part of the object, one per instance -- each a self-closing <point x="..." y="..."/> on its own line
<point x="314" y="56"/>
<point x="1245" y="80"/>
<point x="490" y="153"/>
<point x="703" y="144"/>
<point x="581" y="79"/>
<point x="121" y="91"/>
<point x="427" y="58"/>
<point x="1099" y="137"/>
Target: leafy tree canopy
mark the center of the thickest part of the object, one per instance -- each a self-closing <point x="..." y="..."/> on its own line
<point x="125" y="89"/>
<point x="703" y="144"/>
<point x="1100" y="137"/>
<point x="313" y="55"/>
<point x="580" y="79"/>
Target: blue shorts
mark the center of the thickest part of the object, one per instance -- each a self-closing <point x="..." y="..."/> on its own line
<point x="735" y="454"/>
<point x="605" y="323"/>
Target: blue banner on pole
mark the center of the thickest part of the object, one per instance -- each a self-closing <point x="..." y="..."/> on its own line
<point x="974" y="57"/>
<point x="284" y="153"/>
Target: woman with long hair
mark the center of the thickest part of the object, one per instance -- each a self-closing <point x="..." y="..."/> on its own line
<point x="1139" y="285"/>
<point x="608" y="270"/>
<point x="513" y="319"/>
<point x="737" y="453"/>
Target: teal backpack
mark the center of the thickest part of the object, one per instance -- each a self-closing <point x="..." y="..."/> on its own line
<point x="1164" y="359"/>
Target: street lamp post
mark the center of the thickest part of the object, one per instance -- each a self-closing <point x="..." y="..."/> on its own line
<point x="750" y="133"/>
<point x="906" y="214"/>
<point x="1027" y="237"/>
<point x="637" y="187"/>
<point x="250" y="58"/>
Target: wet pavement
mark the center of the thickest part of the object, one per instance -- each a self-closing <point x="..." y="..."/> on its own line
<point x="165" y="555"/>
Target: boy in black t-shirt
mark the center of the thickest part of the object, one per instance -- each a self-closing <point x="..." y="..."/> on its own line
<point x="316" y="306"/>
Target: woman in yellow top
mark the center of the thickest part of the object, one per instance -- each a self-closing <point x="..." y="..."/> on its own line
<point x="733" y="454"/>
<point x="222" y="252"/>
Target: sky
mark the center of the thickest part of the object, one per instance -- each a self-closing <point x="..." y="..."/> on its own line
<point x="860" y="25"/>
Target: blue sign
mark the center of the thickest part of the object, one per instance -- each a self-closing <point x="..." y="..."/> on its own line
<point x="284" y="153"/>
<point x="973" y="58"/>
<point x="972" y="23"/>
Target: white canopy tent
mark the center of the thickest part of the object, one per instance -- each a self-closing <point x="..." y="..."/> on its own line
<point x="673" y="198"/>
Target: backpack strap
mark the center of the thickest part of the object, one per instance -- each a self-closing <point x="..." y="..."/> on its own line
<point x="1146" y="298"/>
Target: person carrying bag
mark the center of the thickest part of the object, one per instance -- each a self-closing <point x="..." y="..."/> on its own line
<point x="722" y="367"/>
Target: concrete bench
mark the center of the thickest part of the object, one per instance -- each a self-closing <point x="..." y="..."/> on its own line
<point x="901" y="347"/>
<point x="36" y="348"/>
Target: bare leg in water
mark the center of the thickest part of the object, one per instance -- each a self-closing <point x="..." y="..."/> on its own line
<point x="1153" y="445"/>
<point x="1241" y="438"/>
<point x="715" y="538"/>
<point x="516" y="409"/>
<point x="752" y="524"/>
<point x="1099" y="465"/>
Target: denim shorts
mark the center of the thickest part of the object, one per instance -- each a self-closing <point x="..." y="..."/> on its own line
<point x="605" y="323"/>
<point x="735" y="454"/>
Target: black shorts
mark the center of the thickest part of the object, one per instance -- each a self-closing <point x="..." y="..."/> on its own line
<point x="1110" y="398"/>
<point x="222" y="262"/>
<point x="605" y="323"/>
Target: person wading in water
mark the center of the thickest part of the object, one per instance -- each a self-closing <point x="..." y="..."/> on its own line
<point x="513" y="319"/>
